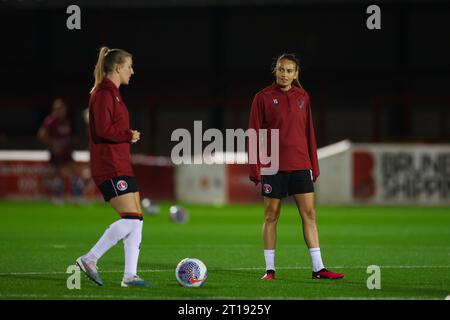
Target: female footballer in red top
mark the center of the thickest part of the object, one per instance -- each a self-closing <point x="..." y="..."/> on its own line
<point x="285" y="106"/>
<point x="110" y="137"/>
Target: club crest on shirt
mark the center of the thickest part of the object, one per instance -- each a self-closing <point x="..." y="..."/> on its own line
<point x="122" y="185"/>
<point x="267" y="188"/>
<point x="275" y="102"/>
<point x="301" y="103"/>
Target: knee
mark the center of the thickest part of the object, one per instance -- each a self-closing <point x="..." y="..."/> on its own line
<point x="271" y="215"/>
<point x="309" y="215"/>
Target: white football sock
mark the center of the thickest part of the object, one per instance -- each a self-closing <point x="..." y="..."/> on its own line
<point x="269" y="255"/>
<point x="116" y="231"/>
<point x="316" y="259"/>
<point x="132" y="244"/>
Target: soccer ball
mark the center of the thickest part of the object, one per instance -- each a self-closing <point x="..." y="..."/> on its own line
<point x="178" y="214"/>
<point x="150" y="207"/>
<point x="191" y="272"/>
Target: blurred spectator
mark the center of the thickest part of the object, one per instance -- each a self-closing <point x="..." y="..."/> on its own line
<point x="56" y="133"/>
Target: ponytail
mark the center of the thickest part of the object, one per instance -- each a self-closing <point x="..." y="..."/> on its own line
<point x="99" y="71"/>
<point x="107" y="58"/>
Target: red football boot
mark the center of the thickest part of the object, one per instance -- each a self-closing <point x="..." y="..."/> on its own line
<point x="270" y="275"/>
<point x="325" y="274"/>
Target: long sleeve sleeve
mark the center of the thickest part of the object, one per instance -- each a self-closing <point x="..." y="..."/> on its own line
<point x="255" y="123"/>
<point x="102" y="114"/>
<point x="312" y="148"/>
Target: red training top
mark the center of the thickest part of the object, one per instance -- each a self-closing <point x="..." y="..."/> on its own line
<point x="109" y="133"/>
<point x="290" y="112"/>
<point x="59" y="130"/>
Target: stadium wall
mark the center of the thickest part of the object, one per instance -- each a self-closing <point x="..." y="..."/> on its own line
<point x="27" y="175"/>
<point x="410" y="174"/>
<point x="404" y="174"/>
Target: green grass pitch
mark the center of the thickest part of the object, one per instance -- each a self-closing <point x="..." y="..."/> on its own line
<point x="411" y="245"/>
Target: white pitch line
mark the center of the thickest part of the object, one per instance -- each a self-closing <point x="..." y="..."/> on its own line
<point x="234" y="269"/>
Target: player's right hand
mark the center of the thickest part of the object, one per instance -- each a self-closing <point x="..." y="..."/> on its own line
<point x="136" y="136"/>
<point x="255" y="180"/>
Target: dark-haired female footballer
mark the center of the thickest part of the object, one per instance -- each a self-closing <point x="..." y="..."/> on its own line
<point x="285" y="106"/>
<point x="110" y="137"/>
